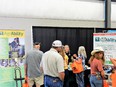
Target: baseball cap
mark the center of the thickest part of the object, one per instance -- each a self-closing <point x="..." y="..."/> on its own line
<point x="57" y="43"/>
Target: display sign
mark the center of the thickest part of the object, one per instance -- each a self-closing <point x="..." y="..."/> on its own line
<point x="12" y="51"/>
<point x="108" y="42"/>
<point x="12" y="47"/>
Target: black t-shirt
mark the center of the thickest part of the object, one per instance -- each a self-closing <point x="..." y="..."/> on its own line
<point x="69" y="56"/>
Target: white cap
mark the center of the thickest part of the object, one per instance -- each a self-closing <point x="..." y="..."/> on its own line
<point x="97" y="49"/>
<point x="57" y="43"/>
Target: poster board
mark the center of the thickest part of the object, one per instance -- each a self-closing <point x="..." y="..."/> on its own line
<point x="108" y="42"/>
<point x="12" y="47"/>
<point x="12" y="51"/>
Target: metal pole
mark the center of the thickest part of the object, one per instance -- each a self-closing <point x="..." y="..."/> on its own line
<point x="107" y="13"/>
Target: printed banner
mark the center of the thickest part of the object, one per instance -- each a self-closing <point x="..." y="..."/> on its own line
<point x="12" y="51"/>
<point x="12" y="47"/>
<point x="12" y="33"/>
<point x="108" y="42"/>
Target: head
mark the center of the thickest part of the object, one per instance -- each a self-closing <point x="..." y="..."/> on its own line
<point x="82" y="51"/>
<point x="98" y="53"/>
<point x="66" y="48"/>
<point x="16" y="40"/>
<point x="57" y="44"/>
<point x="37" y="45"/>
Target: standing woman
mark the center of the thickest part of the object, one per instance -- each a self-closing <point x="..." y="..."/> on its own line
<point x="65" y="57"/>
<point x="68" y="53"/>
<point x="96" y="63"/>
<point x="81" y="55"/>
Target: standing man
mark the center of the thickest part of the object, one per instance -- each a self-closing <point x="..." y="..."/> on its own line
<point x="53" y="66"/>
<point x="32" y="66"/>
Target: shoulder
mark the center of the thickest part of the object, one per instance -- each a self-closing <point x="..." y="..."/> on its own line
<point x="30" y="51"/>
<point x="66" y="57"/>
<point x="40" y="51"/>
<point x="47" y="52"/>
<point x="97" y="61"/>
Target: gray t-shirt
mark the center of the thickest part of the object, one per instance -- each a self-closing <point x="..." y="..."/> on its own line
<point x="33" y="59"/>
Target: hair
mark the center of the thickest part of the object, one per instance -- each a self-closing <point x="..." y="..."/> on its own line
<point x="66" y="50"/>
<point x="62" y="52"/>
<point x="81" y="50"/>
<point x="102" y="59"/>
<point x="97" y="57"/>
<point x="66" y="45"/>
<point x="91" y="59"/>
<point x="36" y="43"/>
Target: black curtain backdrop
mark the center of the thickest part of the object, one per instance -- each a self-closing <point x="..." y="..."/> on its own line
<point x="74" y="37"/>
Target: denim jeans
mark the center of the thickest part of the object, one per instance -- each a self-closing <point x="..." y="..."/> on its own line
<point x="52" y="81"/>
<point x="80" y="79"/>
<point x="95" y="82"/>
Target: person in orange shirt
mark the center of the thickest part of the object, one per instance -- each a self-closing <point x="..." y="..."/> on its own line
<point x="113" y="75"/>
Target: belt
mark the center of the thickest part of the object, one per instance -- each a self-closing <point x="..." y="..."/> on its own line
<point x="51" y="76"/>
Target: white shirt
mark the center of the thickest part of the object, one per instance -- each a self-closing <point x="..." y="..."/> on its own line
<point x="52" y="63"/>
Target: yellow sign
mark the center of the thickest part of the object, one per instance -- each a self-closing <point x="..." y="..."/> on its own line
<point x="12" y="33"/>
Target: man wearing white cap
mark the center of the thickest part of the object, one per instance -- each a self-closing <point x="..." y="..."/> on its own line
<point x="53" y="66"/>
<point x="96" y="62"/>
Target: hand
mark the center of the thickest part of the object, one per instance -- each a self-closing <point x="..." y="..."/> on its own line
<point x="75" y="55"/>
<point x="26" y="79"/>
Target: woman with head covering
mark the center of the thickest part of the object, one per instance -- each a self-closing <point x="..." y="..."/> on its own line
<point x="96" y="63"/>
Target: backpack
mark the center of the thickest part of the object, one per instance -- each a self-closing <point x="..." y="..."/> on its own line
<point x="77" y="66"/>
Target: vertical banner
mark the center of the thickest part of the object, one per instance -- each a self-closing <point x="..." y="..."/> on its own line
<point x="12" y="50"/>
<point x="12" y="47"/>
<point x="108" y="42"/>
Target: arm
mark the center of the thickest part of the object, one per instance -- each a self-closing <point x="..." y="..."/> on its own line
<point x="41" y="66"/>
<point x="113" y="61"/>
<point x="41" y="63"/>
<point x="66" y="59"/>
<point x="102" y="73"/>
<point x="75" y="56"/>
<point x="61" y="76"/>
<point x="25" y="67"/>
<point x="60" y="66"/>
<point x="100" y="68"/>
<point x="91" y="59"/>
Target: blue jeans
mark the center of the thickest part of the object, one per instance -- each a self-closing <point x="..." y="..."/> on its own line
<point x="52" y="81"/>
<point x="80" y="79"/>
<point x="95" y="82"/>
